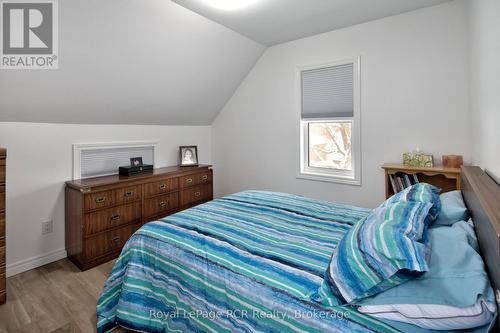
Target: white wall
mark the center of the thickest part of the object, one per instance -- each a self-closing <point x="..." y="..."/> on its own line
<point x="485" y="83"/>
<point x="39" y="161"/>
<point x="414" y="94"/>
<point x="131" y="62"/>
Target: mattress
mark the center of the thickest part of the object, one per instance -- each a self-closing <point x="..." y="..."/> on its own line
<point x="248" y="262"/>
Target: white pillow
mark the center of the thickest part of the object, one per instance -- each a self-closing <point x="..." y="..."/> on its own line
<point x="434" y="316"/>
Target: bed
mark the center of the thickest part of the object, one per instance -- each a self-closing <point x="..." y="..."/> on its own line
<point x="253" y="262"/>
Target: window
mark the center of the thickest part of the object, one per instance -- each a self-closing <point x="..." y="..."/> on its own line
<point x="330" y="135"/>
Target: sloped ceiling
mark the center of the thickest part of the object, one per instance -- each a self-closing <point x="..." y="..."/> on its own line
<point x="131" y="62"/>
<point x="276" y="21"/>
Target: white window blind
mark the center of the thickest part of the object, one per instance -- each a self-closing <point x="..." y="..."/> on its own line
<point x="328" y="92"/>
<point x="330" y="133"/>
<point x="93" y="160"/>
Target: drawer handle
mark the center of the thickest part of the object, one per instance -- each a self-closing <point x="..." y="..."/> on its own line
<point x="205" y="177"/>
<point x="189" y="180"/>
<point x="129" y="194"/>
<point x="115" y="238"/>
<point x="197" y="194"/>
<point x="115" y="217"/>
<point x="163" y="186"/>
<point x="100" y="199"/>
<point x="163" y="204"/>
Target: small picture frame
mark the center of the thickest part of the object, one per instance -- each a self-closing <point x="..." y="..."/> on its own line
<point x="188" y="155"/>
<point x="136" y="161"/>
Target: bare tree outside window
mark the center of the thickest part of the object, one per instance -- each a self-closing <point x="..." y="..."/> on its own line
<point x="330" y="145"/>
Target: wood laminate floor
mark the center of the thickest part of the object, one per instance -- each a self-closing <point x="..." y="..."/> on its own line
<point x="57" y="297"/>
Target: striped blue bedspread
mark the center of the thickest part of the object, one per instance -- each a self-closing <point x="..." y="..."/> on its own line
<point x="248" y="262"/>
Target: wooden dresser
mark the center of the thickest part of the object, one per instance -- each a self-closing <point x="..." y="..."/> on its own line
<point x="3" y="289"/>
<point x="103" y="212"/>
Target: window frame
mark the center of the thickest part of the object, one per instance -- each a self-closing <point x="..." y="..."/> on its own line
<point x="351" y="177"/>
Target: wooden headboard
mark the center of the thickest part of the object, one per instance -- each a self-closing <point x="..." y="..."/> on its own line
<point x="482" y="197"/>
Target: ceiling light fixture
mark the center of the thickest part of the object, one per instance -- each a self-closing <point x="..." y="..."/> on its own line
<point x="230" y="5"/>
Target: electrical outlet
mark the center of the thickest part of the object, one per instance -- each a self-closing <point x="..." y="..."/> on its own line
<point x="47" y="227"/>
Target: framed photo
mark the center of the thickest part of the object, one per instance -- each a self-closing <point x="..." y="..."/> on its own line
<point x="136" y="161"/>
<point x="188" y="155"/>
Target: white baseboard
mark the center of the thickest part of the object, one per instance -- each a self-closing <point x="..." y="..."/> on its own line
<point x="34" y="262"/>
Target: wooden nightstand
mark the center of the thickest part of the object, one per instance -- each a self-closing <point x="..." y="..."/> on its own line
<point x="448" y="179"/>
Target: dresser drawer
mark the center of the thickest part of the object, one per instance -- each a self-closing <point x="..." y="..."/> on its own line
<point x="2" y="197"/>
<point x="189" y="180"/>
<point x="196" y="179"/>
<point x="99" y="200"/>
<point x="2" y="224"/>
<point x="195" y="194"/>
<point x="205" y="177"/>
<point x="109" y="242"/>
<point x="161" y="204"/>
<point x="2" y="251"/>
<point x="2" y="280"/>
<point x="128" y="194"/>
<point x="112" y="217"/>
<point x="160" y="187"/>
<point x="2" y="171"/>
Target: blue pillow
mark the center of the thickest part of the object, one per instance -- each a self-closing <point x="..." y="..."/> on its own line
<point x="456" y="275"/>
<point x="421" y="192"/>
<point x="379" y="252"/>
<point x="452" y="209"/>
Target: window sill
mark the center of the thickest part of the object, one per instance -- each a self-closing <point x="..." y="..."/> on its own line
<point x="329" y="178"/>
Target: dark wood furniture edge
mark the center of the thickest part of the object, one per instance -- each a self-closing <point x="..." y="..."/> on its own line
<point x="3" y="271"/>
<point x="115" y="181"/>
<point x="73" y="225"/>
<point x="482" y="197"/>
